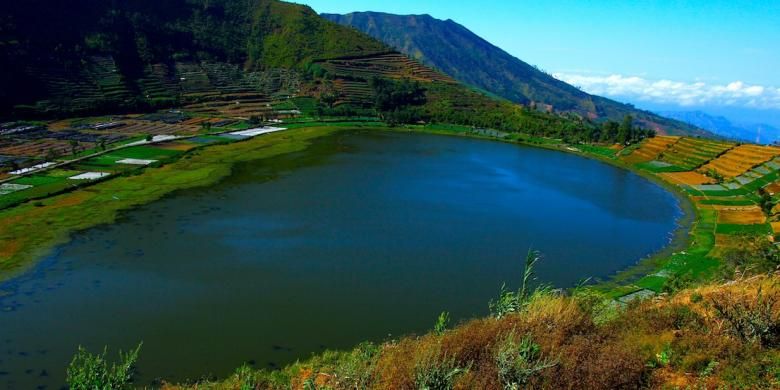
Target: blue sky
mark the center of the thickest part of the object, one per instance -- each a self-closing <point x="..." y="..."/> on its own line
<point x="666" y="53"/>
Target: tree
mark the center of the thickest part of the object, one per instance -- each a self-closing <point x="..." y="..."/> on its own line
<point x="74" y="146"/>
<point x="609" y="131"/>
<point x="625" y="131"/>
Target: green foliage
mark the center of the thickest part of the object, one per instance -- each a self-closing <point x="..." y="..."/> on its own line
<point x="437" y="374"/>
<point x="510" y="301"/>
<point x="678" y="281"/>
<point x="715" y="175"/>
<point x="94" y="372"/>
<point x="750" y="255"/>
<point x="664" y="357"/>
<point x="246" y="378"/>
<point x="441" y="323"/>
<point x="398" y="101"/>
<point x="519" y="360"/>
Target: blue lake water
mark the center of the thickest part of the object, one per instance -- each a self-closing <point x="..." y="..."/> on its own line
<point x="364" y="236"/>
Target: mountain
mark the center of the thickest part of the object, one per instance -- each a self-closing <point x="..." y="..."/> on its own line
<point x="758" y="133"/>
<point x="237" y="58"/>
<point x="458" y="52"/>
<point x="107" y="54"/>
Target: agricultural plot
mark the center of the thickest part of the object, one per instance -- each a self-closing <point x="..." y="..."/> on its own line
<point x="741" y="216"/>
<point x="686" y="178"/>
<point x="650" y="149"/>
<point x="90" y="176"/>
<point x="741" y="159"/>
<point x="145" y="153"/>
<point x="691" y="153"/>
<point x="40" y="148"/>
<point x="35" y="187"/>
<point x="8" y="188"/>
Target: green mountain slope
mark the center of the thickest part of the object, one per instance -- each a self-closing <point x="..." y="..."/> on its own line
<point x="100" y="55"/>
<point x="450" y="47"/>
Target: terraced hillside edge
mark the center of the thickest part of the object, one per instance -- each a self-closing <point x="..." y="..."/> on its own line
<point x="458" y="52"/>
<point x="145" y="54"/>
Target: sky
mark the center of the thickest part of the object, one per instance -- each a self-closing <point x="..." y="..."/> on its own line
<point x="662" y="54"/>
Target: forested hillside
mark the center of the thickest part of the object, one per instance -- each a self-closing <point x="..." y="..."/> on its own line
<point x="89" y="55"/>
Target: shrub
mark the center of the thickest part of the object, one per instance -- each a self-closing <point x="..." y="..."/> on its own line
<point x="441" y="323"/>
<point x="91" y="372"/>
<point x="753" y="321"/>
<point x="519" y="361"/>
<point x="510" y="301"/>
<point x="437" y="374"/>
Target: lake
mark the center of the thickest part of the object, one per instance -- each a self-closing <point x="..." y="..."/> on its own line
<point x="364" y="236"/>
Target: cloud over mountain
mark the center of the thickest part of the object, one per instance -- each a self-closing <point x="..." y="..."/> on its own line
<point x="698" y="93"/>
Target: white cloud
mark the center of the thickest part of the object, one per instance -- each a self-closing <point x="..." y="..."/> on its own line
<point x="696" y="93"/>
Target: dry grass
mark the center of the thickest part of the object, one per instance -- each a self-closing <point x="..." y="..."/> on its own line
<point x="741" y="216"/>
<point x="688" y="178"/>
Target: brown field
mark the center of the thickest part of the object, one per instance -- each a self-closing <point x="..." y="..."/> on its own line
<point x="741" y="215"/>
<point x="42" y="147"/>
<point x="689" y="178"/>
<point x="741" y="159"/>
<point x="180" y="146"/>
<point x="773" y="188"/>
<point x="156" y="128"/>
<point x="723" y="242"/>
<point x="776" y="227"/>
<point x="651" y="149"/>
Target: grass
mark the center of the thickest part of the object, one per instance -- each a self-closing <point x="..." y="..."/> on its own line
<point x="756" y="229"/>
<point x="598" y="150"/>
<point x="145" y="153"/>
<point x="650" y="167"/>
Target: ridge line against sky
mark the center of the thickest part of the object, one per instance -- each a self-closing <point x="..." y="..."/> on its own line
<point x="685" y="53"/>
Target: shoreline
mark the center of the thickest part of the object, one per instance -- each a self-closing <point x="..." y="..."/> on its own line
<point x="257" y="149"/>
<point x="618" y="283"/>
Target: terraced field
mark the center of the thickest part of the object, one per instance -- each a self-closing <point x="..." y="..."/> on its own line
<point x="352" y="74"/>
<point x="741" y="159"/>
<point x="691" y="153"/>
<point x="652" y="148"/>
<point x="729" y="204"/>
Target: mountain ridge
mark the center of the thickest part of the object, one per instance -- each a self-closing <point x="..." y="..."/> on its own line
<point x="718" y="124"/>
<point x="452" y="48"/>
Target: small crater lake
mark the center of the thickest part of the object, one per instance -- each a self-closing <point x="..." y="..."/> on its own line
<point x="364" y="236"/>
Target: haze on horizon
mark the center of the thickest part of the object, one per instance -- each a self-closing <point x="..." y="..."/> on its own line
<point x="717" y="56"/>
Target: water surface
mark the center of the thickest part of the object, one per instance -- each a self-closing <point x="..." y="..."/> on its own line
<point x="363" y="237"/>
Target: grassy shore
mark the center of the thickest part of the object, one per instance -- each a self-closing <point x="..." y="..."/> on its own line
<point x="30" y="230"/>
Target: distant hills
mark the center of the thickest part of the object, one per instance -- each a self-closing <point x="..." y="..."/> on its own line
<point x="458" y="52"/>
<point x="758" y="133"/>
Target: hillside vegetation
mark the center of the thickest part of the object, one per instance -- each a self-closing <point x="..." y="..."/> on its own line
<point x="95" y="56"/>
<point x="458" y="52"/>
<point x="714" y="336"/>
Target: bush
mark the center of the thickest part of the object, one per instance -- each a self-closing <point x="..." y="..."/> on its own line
<point x="519" y="361"/>
<point x="435" y="374"/>
<point x="510" y="301"/>
<point x="94" y="372"/>
<point x="441" y="323"/>
<point x="753" y="321"/>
